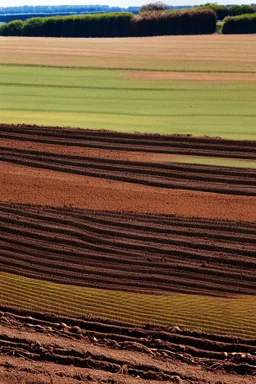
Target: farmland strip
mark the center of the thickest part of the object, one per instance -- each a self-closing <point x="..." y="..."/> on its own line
<point x="213" y="179"/>
<point x="110" y="344"/>
<point x="130" y="142"/>
<point x="105" y="254"/>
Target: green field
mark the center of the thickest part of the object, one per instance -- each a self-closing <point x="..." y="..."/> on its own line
<point x="234" y="316"/>
<point x="219" y="161"/>
<point x="109" y="99"/>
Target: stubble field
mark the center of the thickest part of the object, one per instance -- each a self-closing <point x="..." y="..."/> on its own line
<point x="152" y="227"/>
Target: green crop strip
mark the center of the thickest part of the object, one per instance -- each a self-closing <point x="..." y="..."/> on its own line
<point x="224" y="315"/>
<point x="218" y="161"/>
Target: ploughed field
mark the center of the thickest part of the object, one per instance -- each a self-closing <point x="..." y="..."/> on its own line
<point x="154" y="254"/>
<point x="142" y="245"/>
<point x="100" y="351"/>
<point x="156" y="172"/>
<point x="118" y="226"/>
<point x="111" y="224"/>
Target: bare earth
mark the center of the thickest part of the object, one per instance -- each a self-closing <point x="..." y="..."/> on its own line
<point x="64" y="350"/>
<point x="21" y="184"/>
<point x="112" y="195"/>
<point x="37" y="167"/>
<point x="167" y="253"/>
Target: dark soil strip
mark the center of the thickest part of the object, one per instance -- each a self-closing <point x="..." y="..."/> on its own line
<point x="111" y="251"/>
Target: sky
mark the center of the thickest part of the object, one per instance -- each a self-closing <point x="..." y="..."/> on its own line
<point x="120" y="3"/>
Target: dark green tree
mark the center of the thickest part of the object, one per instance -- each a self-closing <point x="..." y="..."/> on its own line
<point x="236" y="10"/>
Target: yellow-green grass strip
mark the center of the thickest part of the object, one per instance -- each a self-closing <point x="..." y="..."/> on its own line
<point x="205" y="160"/>
<point x="233" y="316"/>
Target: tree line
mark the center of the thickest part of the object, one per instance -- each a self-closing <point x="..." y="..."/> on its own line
<point x="239" y="24"/>
<point x="223" y="11"/>
<point x="60" y="9"/>
<point x="155" y="23"/>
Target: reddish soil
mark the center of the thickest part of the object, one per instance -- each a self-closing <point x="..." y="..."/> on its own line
<point x="207" y="178"/>
<point x="20" y="184"/>
<point x="87" y="152"/>
<point x="114" y="171"/>
<point x="134" y="252"/>
<point x="65" y="350"/>
<point x="69" y="137"/>
<point x="122" y="212"/>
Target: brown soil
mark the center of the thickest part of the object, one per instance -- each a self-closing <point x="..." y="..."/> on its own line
<point x="102" y="153"/>
<point x="99" y="154"/>
<point x="115" y="198"/>
<point x="111" y="171"/>
<point x="69" y="138"/>
<point x="191" y="76"/>
<point x="133" y="252"/>
<point x="65" y="350"/>
<point x="27" y="185"/>
<point x="207" y="178"/>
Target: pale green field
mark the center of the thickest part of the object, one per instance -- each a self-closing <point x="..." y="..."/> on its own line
<point x="107" y="99"/>
<point x="234" y="316"/>
<point x="219" y="161"/>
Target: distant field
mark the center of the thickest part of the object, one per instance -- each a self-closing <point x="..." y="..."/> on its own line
<point x="224" y="315"/>
<point x="125" y="101"/>
<point x="225" y="53"/>
<point x="206" y="84"/>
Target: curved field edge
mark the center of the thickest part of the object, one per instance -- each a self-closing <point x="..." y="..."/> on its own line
<point x="226" y="316"/>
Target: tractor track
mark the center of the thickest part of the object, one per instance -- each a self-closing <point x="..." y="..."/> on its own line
<point x="147" y="352"/>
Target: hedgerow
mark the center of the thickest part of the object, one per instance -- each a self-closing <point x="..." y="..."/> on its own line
<point x="187" y="22"/>
<point x="223" y="11"/>
<point x="237" y="10"/>
<point x="100" y="25"/>
<point x="13" y="28"/>
<point x="239" y="24"/>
